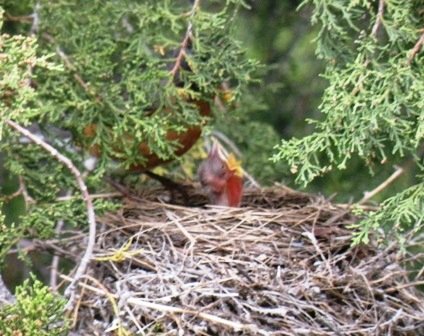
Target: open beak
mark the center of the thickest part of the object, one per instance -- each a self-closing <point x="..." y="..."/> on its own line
<point x="214" y="151"/>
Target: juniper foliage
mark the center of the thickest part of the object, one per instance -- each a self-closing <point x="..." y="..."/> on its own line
<point x="373" y="107"/>
<point x="37" y="312"/>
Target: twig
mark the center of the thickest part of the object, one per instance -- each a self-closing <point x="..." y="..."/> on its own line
<point x="364" y="207"/>
<point x="21" y="18"/>
<point x="416" y="48"/>
<point x="91" y="217"/>
<point x="92" y="196"/>
<point x="56" y="259"/>
<point x="175" y="310"/>
<point x="22" y="187"/>
<point x="236" y="326"/>
<point x="22" y="191"/>
<point x="370" y="194"/>
<point x="376" y="26"/>
<point x="184" y="43"/>
<point x="379" y="19"/>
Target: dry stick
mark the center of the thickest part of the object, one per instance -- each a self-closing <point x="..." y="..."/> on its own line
<point x="70" y="290"/>
<point x="169" y="309"/>
<point x="370" y="194"/>
<point x="236" y="326"/>
<point x="92" y="196"/>
<point x="416" y="48"/>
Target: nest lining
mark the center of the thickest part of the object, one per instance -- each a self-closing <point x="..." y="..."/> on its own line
<point x="280" y="265"/>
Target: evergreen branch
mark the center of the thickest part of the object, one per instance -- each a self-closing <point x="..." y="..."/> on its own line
<point x="416" y="48"/>
<point x="188" y="36"/>
<point x="91" y="217"/>
<point x="377" y="25"/>
<point x="68" y="64"/>
<point x="370" y="194"/>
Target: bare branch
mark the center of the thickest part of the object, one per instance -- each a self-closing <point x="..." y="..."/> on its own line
<point x="370" y="194"/>
<point x="81" y="269"/>
<point x="188" y="36"/>
<point x="21" y="18"/>
<point x="56" y="259"/>
<point x="379" y="19"/>
<point x="92" y="196"/>
<point x="416" y="48"/>
<point x="22" y="191"/>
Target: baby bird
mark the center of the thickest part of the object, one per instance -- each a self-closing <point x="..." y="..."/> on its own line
<point x="222" y="178"/>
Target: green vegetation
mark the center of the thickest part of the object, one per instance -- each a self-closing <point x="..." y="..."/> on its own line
<point x="373" y="106"/>
<point x="37" y="312"/>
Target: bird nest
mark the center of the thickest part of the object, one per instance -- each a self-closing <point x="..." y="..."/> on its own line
<point x="282" y="264"/>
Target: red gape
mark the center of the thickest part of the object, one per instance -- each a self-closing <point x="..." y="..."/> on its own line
<point x="221" y="178"/>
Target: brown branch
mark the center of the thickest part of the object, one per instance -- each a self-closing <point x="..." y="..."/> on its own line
<point x="416" y="48"/>
<point x="188" y="36"/>
<point x="370" y="194"/>
<point x="21" y="18"/>
<point x="91" y="218"/>
<point x="24" y="192"/>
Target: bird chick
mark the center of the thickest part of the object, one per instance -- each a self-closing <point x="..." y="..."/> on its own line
<point x="222" y="178"/>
